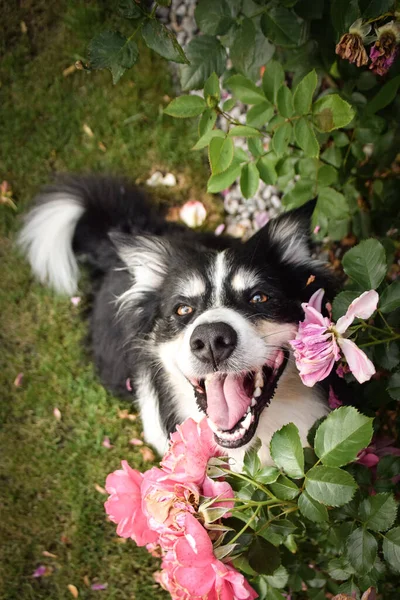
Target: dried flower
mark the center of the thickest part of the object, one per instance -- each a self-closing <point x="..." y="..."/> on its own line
<point x="383" y="53"/>
<point x="351" y="44"/>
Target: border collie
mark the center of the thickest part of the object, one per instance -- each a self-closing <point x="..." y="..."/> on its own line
<point x="196" y="324"/>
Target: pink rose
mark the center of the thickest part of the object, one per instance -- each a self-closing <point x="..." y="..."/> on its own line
<point x="319" y="341"/>
<point x="192" y="445"/>
<point x="221" y="489"/>
<point x="124" y="505"/>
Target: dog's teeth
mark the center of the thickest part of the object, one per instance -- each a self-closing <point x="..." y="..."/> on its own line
<point x="257" y="392"/>
<point x="253" y="402"/>
<point x="246" y="422"/>
<point x="259" y="380"/>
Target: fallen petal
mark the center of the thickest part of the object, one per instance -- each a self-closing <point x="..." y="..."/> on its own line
<point x="99" y="586"/>
<point x="87" y="130"/>
<point x="169" y="180"/>
<point x="193" y="213"/>
<point x="75" y="300"/>
<point x="40" y="571"/>
<point x="18" y="380"/>
<point x="136" y="442"/>
<point x="148" y="455"/>
<point x="106" y="443"/>
<point x="73" y="589"/>
<point x="100" y="489"/>
<point x="57" y="413"/>
<point x="49" y="554"/>
<point x="219" y="229"/>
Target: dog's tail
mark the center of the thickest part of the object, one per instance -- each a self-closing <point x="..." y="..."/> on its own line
<point x="72" y="219"/>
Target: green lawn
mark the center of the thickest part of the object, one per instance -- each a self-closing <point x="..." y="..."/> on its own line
<point x="50" y="468"/>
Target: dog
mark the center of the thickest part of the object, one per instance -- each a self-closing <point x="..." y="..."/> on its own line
<point x="187" y="323"/>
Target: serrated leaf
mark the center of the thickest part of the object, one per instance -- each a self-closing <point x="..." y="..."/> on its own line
<point x="213" y="18"/>
<point x="244" y="131"/>
<point x="330" y="486"/>
<point x="255" y="146"/>
<point x="249" y="180"/>
<point x="224" y="180"/>
<point x="281" y="139"/>
<point x="220" y="153"/>
<point x="343" y="434"/>
<point x="313" y="510"/>
<point x="278" y="579"/>
<point x="281" y="26"/>
<point x="366" y="264"/>
<point x="343" y="14"/>
<point x="206" y="55"/>
<point x="211" y="87"/>
<point x="263" y="557"/>
<point x="207" y="137"/>
<point x="266" y="168"/>
<point x="390" y="298"/>
<point x="284" y="101"/>
<point x="111" y="50"/>
<point x="384" y="97"/>
<point x="302" y="191"/>
<point x="304" y="93"/>
<point x="163" y="41"/>
<point x="331" y="112"/>
<point x="374" y="8"/>
<point x="184" y="107"/>
<point x="362" y="549"/>
<point x="391" y="548"/>
<point x="387" y="355"/>
<point x="393" y="386"/>
<point x="326" y="176"/>
<point x="342" y="302"/>
<point x="129" y="9"/>
<point x="207" y="121"/>
<point x="260" y="114"/>
<point x="305" y="137"/>
<point x="340" y="568"/>
<point x="268" y="475"/>
<point x="378" y="512"/>
<point x="287" y="452"/>
<point x="273" y="78"/>
<point x="284" y="488"/>
<point x="245" y="90"/>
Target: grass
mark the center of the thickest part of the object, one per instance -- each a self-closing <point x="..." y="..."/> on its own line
<point x="50" y="469"/>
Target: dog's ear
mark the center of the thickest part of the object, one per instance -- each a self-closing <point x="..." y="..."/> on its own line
<point x="146" y="258"/>
<point x="287" y="236"/>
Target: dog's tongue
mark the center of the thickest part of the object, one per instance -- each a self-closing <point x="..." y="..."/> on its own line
<point x="227" y="400"/>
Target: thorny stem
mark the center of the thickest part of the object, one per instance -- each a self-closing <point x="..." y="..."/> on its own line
<point x="246" y="525"/>
<point x="266" y="491"/>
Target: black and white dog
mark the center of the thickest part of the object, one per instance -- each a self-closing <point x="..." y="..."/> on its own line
<point x="199" y="324"/>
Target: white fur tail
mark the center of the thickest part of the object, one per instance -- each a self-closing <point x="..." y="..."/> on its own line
<point x="46" y="239"/>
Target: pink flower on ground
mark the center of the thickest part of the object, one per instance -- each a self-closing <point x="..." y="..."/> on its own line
<point x="75" y="300"/>
<point x="219" y="229"/>
<point x="40" y="571"/>
<point x="319" y="341"/>
<point x="124" y="506"/>
<point x="192" y="570"/>
<point x="193" y="213"/>
<point x="107" y="443"/>
<point x="192" y="445"/>
<point x="18" y="380"/>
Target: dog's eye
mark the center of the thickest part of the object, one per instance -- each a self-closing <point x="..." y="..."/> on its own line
<point x="183" y="310"/>
<point x="258" y="298"/>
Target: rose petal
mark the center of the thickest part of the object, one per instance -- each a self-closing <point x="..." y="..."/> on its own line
<point x="106" y="443"/>
<point x="18" y="380"/>
<point x="362" y="308"/>
<point x="40" y="571"/>
<point x="75" y="300"/>
<point x="359" y="363"/>
<point x="99" y="586"/>
<point x="148" y="455"/>
<point x="57" y="413"/>
<point x="73" y="590"/>
<point x="136" y="442"/>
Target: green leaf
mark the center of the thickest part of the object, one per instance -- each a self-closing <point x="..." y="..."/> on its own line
<point x="378" y="512"/>
<point x="213" y="18"/>
<point x="304" y="92"/>
<point x="281" y="26"/>
<point x="251" y="462"/>
<point x="222" y="181"/>
<point x="327" y="175"/>
<point x="263" y="557"/>
<point x="284" y="489"/>
<point x="362" y="549"/>
<point x="228" y="104"/>
<point x="244" y="131"/>
<point x="305" y="137"/>
<point x="339" y="568"/>
<point x="245" y="90"/>
<point x="249" y="180"/>
<point x="302" y="191"/>
<point x="250" y="49"/>
<point x="287" y="451"/>
<point x="184" y="107"/>
<point x="387" y="355"/>
<point x="390" y="298"/>
<point x="206" y="55"/>
<point x="129" y="9"/>
<point x="343" y="14"/>
<point x="273" y="78"/>
<point x="207" y="121"/>
<point x="279" y="578"/>
<point x="330" y="486"/>
<point x="333" y="156"/>
<point x="385" y="96"/>
<point x="268" y="475"/>
<point x="343" y="434"/>
<point x="255" y="146"/>
<point x="332" y="203"/>
<point x="391" y="548"/>
<point x="163" y="41"/>
<point x="266" y="168"/>
<point x="366" y="264"/>
<point x="111" y="50"/>
<point x="281" y="139"/>
<point x="284" y="100"/>
<point x="374" y="8"/>
<point x="313" y="510"/>
<point x="342" y="302"/>
<point x="393" y="387"/>
<point x="331" y="112"/>
<point x="207" y="137"/>
<point x="211" y="87"/>
<point x="220" y="152"/>
<point x="260" y="114"/>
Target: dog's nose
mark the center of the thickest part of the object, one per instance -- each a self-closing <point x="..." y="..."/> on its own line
<point x="213" y="342"/>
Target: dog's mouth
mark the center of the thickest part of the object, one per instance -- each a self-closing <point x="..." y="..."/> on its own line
<point x="234" y="402"/>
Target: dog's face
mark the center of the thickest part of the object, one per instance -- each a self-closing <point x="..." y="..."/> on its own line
<point x="224" y="319"/>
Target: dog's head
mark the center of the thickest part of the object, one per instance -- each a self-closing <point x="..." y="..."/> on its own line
<point x="223" y="319"/>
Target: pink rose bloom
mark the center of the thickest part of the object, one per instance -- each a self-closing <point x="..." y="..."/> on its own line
<point x="193" y="570"/>
<point x="124" y="506"/>
<point x="191" y="447"/>
<point x="193" y="213"/>
<point x="214" y="489"/>
<point x="319" y="342"/>
<point x="165" y="503"/>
